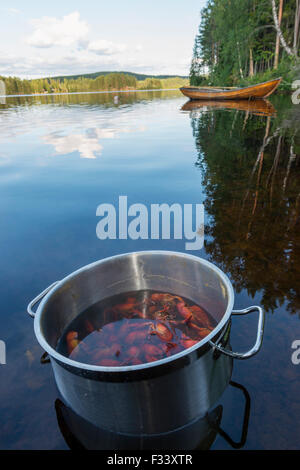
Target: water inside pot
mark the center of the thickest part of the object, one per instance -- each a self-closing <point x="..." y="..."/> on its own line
<point x="134" y="328"/>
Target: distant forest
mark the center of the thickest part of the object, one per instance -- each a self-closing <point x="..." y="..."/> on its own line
<point x="247" y="41"/>
<point x="90" y="82"/>
<point x="138" y="76"/>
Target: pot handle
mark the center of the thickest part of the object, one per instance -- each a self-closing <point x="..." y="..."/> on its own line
<point x="38" y="298"/>
<point x="259" y="336"/>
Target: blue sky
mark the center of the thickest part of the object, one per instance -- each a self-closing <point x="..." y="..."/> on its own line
<point x="66" y="37"/>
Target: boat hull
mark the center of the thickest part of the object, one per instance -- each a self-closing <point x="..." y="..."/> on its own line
<point x="261" y="90"/>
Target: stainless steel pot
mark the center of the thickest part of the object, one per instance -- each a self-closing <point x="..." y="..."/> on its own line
<point x="155" y="397"/>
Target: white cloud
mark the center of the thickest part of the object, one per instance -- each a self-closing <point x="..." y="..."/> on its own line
<point x="45" y="63"/>
<point x="50" y="31"/>
<point x="103" y="47"/>
<point x="86" y="146"/>
<point x="75" y="51"/>
<point x="82" y="61"/>
<point x="68" y="31"/>
<point x="66" y="46"/>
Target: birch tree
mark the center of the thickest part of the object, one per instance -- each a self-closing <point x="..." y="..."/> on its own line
<point x="289" y="50"/>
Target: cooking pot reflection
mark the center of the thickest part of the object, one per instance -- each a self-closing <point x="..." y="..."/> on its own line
<point x="198" y="435"/>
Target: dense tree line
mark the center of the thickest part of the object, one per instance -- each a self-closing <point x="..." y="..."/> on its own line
<point x="111" y="81"/>
<point x="246" y="41"/>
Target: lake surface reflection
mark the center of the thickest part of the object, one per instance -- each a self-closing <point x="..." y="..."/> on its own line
<point x="62" y="156"/>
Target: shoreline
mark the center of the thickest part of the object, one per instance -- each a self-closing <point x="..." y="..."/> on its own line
<point x="87" y="92"/>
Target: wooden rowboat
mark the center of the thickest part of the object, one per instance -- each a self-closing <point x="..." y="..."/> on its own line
<point x="261" y="90"/>
<point x="257" y="107"/>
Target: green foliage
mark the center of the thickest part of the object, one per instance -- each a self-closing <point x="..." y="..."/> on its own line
<point x="235" y="44"/>
<point x="155" y="84"/>
<point x="107" y="82"/>
<point x="287" y="69"/>
<point x="150" y="84"/>
<point x="174" y="82"/>
<point x="112" y="81"/>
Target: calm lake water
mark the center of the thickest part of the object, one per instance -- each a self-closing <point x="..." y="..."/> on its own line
<point x="62" y="156"/>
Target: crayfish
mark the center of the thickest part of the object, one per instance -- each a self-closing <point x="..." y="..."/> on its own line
<point x="137" y="328"/>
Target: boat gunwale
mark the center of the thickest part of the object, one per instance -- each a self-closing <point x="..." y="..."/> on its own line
<point x="226" y="90"/>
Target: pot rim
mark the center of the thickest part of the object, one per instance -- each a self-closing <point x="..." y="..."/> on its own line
<point x="89" y="367"/>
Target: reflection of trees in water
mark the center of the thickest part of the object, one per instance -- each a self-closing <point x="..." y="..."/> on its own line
<point x="96" y="99"/>
<point x="250" y="168"/>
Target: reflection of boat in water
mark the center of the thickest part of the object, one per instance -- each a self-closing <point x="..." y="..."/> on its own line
<point x="200" y="434"/>
<point x="260" y="90"/>
<point x="258" y="107"/>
